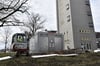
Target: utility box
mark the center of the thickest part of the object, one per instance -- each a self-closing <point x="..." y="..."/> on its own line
<point x="44" y="42"/>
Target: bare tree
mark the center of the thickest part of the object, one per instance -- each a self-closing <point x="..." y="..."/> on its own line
<point x="6" y="33"/>
<point x="8" y="10"/>
<point x="35" y="23"/>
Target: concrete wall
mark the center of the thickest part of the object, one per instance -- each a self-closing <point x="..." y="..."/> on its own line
<point x="45" y="42"/>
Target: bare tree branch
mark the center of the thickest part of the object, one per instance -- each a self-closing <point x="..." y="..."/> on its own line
<point x="16" y="3"/>
<point x="6" y="8"/>
<point x="35" y="23"/>
<point x="10" y="10"/>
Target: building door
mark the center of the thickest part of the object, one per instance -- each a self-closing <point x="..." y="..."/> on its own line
<point x="51" y="43"/>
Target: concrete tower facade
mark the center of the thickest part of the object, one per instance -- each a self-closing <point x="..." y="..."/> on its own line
<point x="74" y="20"/>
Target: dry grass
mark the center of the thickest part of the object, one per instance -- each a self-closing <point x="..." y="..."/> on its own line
<point x="88" y="59"/>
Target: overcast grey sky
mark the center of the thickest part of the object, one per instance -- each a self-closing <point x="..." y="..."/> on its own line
<point x="47" y="9"/>
<point x="95" y="6"/>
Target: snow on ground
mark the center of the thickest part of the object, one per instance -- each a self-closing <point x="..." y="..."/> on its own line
<point x="49" y="55"/>
<point x="5" y="58"/>
<point x="40" y="56"/>
<point x="67" y="55"/>
<point x="98" y="50"/>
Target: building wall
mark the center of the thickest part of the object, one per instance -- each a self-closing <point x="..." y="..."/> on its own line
<point x="98" y="39"/>
<point x="65" y="23"/>
<point x="75" y="22"/>
<point x="44" y="42"/>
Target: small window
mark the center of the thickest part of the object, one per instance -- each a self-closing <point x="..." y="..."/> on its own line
<point x="88" y="46"/>
<point x="67" y="6"/>
<point x="87" y="31"/>
<point x="82" y="46"/>
<point x="89" y="13"/>
<point x="91" y="25"/>
<point x="87" y="2"/>
<point x="82" y="31"/>
<point x="85" y="46"/>
<point x="68" y="18"/>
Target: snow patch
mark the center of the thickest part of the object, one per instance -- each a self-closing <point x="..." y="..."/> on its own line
<point x="5" y="58"/>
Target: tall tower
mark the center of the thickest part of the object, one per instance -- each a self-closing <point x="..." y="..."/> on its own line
<point x="74" y="20"/>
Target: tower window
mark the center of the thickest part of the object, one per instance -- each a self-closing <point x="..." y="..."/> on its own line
<point x="87" y="2"/>
<point x="68" y="18"/>
<point x="89" y="13"/>
<point x="67" y="6"/>
<point x="91" y="25"/>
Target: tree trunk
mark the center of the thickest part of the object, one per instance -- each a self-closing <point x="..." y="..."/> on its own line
<point x="5" y="46"/>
